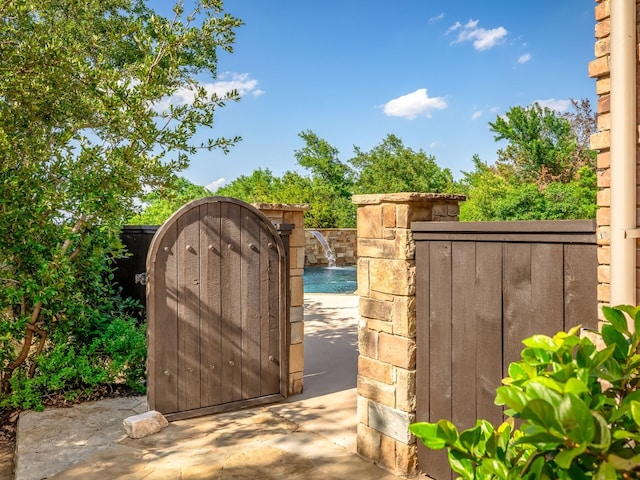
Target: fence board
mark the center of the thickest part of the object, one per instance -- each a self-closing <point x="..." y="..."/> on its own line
<point x="463" y="332"/>
<point x="481" y="289"/>
<point x="488" y="335"/>
<point x="423" y="307"/>
<point x="580" y="285"/>
<point x="440" y="345"/>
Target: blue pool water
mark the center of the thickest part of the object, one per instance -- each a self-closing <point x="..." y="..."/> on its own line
<point x="330" y="280"/>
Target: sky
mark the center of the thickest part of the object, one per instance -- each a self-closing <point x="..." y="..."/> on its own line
<point x="432" y="72"/>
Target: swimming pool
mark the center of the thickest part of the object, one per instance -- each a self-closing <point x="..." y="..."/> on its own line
<point x="330" y="279"/>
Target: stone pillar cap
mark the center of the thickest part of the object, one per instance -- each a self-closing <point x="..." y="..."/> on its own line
<point x="405" y="197"/>
<point x="287" y="207"/>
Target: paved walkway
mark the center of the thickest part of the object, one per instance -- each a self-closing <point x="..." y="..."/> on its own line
<point x="311" y="436"/>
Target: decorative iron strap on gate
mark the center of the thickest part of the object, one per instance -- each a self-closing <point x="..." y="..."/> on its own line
<point x="217" y="310"/>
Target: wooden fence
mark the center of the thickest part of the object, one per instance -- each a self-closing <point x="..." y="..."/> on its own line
<point x="481" y="288"/>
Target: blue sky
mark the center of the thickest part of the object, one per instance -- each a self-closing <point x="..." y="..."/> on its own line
<point x="432" y="72"/>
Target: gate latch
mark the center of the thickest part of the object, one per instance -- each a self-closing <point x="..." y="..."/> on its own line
<point x="141" y="278"/>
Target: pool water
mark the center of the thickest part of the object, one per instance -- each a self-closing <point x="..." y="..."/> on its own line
<point x="330" y="279"/>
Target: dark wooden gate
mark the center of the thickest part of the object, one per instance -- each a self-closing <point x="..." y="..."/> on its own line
<point x="216" y="309"/>
<point x="481" y="288"/>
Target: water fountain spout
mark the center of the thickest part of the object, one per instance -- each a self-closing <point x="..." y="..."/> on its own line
<point x="328" y="253"/>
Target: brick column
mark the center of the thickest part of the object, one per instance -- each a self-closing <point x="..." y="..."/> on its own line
<point x="601" y="141"/>
<point x="293" y="214"/>
<point x="387" y="332"/>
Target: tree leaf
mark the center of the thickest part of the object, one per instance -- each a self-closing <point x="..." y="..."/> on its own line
<point x="430" y="435"/>
<point x="565" y="457"/>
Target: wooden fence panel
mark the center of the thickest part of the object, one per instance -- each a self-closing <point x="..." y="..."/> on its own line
<point x="481" y="288"/>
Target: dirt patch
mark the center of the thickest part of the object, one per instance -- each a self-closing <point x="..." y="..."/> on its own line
<point x="9" y="421"/>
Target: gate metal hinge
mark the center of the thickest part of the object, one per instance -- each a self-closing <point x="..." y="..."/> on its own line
<point x="141" y="278"/>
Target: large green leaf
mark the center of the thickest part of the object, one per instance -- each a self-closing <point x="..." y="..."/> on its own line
<point x="576" y="419"/>
<point x="542" y="342"/>
<point x="606" y="471"/>
<point x="612" y="336"/>
<point x="616" y="317"/>
<point x="462" y="464"/>
<point x="542" y="413"/>
<point x="430" y="435"/>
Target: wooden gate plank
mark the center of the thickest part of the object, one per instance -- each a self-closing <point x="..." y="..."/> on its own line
<point x="187" y="254"/>
<point x="210" y="310"/>
<point x="463" y="333"/>
<point x="250" y="304"/>
<point x="488" y="335"/>
<point x="230" y="301"/>
<point x="580" y="286"/>
<point x="163" y="328"/>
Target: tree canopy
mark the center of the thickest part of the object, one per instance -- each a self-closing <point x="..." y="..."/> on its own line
<point x="87" y="125"/>
<point x="545" y="172"/>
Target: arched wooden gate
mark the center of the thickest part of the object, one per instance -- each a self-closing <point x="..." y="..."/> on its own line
<point x="216" y="309"/>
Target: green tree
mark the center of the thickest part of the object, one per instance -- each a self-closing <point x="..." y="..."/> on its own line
<point x="546" y="171"/>
<point x="392" y="167"/>
<point x="161" y="204"/>
<point x="331" y="184"/>
<point x="542" y="145"/>
<point x="86" y="126"/>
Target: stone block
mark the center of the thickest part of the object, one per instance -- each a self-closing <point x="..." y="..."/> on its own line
<point x="404" y="316"/>
<point x="599" y="67"/>
<point x="604" y="106"/>
<point x="297" y="332"/>
<point x="377" y="309"/>
<point x="376" y="391"/>
<point x="388" y="453"/>
<point x="389" y="216"/>
<point x="375" y="370"/>
<point x="362" y="411"/>
<point x="297" y="238"/>
<point x="368" y="443"/>
<point x="406" y="459"/>
<point x="368" y="342"/>
<point x="369" y="220"/>
<point x="603" y="28"/>
<point x="404" y="245"/>
<point x="603" y="85"/>
<point x="296" y="358"/>
<point x="397" y="277"/>
<point x="380" y="325"/>
<point x="398" y="351"/>
<point x="297" y="291"/>
<point x="363" y="277"/>
<point x="391" y="422"/>
<point x="144" y="424"/>
<point x="604" y="255"/>
<point x="603" y="216"/>
<point x="296" y="383"/>
<point x="604" y="197"/>
<point x="376" y="248"/>
<point x="405" y="390"/>
<point x="297" y="313"/>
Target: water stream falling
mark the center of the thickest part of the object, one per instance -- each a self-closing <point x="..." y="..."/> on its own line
<point x="328" y="253"/>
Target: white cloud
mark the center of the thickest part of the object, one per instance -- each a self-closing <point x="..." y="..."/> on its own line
<point x="476" y="115"/>
<point x="413" y="104"/>
<point x="215" y="185"/>
<point x="481" y="38"/>
<point x="436" y="145"/>
<point x="241" y="82"/>
<point x="558" y="105"/>
<point x="436" y="18"/>
<point x="524" y="58"/>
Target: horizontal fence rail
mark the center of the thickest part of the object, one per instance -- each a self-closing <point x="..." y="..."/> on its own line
<point x="481" y="288"/>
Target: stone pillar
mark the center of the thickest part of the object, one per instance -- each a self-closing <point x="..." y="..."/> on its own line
<point x="387" y="332"/>
<point x="294" y="215"/>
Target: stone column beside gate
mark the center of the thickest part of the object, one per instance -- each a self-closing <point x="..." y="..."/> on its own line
<point x="294" y="215"/>
<point x="387" y="331"/>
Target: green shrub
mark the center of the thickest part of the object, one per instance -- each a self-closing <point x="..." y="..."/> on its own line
<point x="573" y="410"/>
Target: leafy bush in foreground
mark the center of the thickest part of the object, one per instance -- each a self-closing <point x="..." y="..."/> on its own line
<point x="573" y="408"/>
